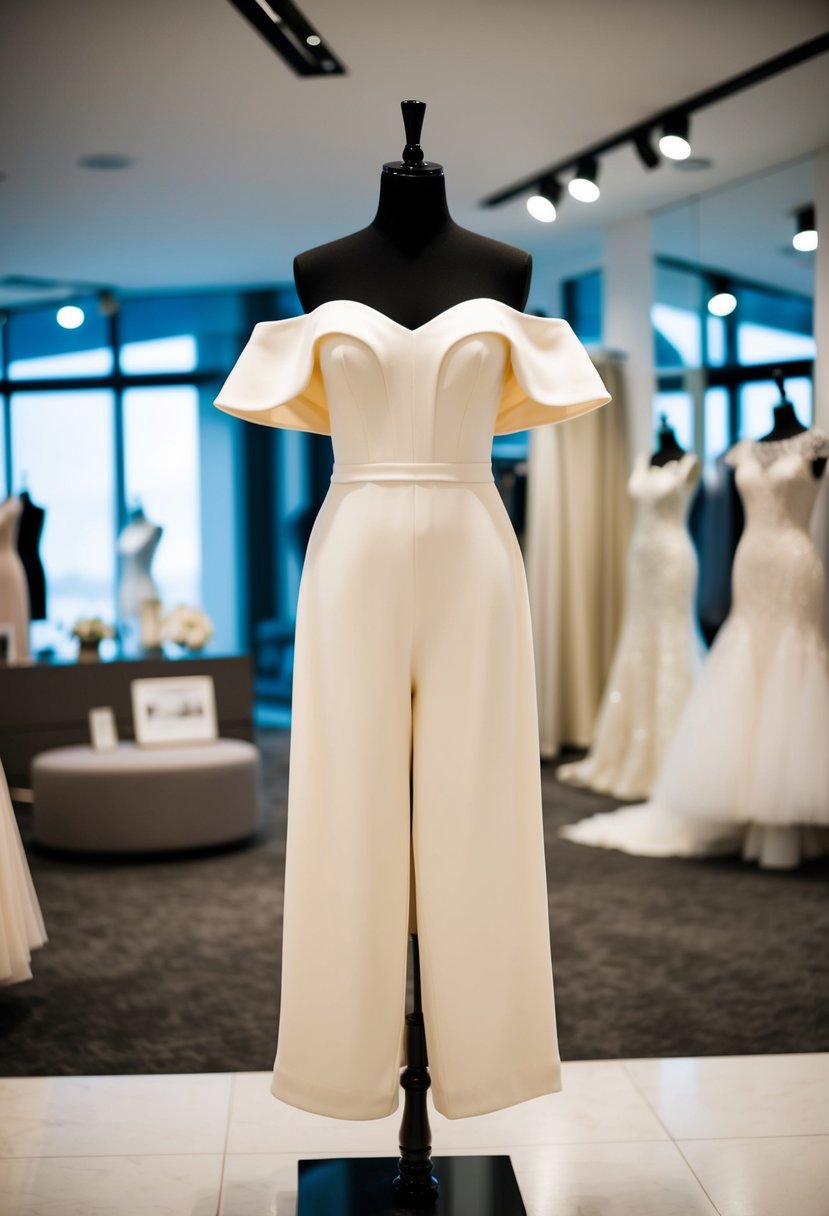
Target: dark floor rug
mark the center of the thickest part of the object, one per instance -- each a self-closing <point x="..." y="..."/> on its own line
<point x="173" y="965"/>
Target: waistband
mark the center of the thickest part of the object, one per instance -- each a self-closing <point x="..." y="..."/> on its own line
<point x="403" y="471"/>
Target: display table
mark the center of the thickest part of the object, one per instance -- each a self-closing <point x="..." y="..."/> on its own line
<point x="141" y="799"/>
<point x="45" y="705"/>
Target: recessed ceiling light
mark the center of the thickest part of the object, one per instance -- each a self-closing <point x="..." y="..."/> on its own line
<point x="313" y="40"/>
<point x="106" y="160"/>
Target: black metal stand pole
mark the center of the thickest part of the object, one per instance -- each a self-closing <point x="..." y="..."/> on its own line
<point x="415" y="1186"/>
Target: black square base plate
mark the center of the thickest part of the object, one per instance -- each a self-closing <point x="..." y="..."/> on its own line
<point x="361" y="1186"/>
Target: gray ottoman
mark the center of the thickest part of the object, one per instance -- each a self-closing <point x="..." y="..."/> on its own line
<point x="136" y="799"/>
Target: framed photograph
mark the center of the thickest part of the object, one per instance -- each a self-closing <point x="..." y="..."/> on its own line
<point x="175" y="709"/>
<point x="8" y="649"/>
<point x="103" y="729"/>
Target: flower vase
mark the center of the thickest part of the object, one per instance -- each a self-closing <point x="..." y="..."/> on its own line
<point x="88" y="652"/>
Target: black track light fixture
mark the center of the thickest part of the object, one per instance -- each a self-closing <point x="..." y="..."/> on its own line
<point x="674" y="141"/>
<point x="543" y="203"/>
<point x="643" y="143"/>
<point x="583" y="185"/>
<point x="805" y="236"/>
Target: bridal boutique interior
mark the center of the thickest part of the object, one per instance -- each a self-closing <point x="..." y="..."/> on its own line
<point x="165" y="689"/>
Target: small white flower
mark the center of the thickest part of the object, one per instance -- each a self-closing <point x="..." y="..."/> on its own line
<point x="187" y="626"/>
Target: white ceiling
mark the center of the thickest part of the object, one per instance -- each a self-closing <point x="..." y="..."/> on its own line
<point x="240" y="163"/>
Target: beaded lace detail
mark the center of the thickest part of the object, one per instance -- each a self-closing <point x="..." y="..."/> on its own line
<point x="812" y="444"/>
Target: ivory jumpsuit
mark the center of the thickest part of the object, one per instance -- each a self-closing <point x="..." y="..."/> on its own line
<point x="413" y="655"/>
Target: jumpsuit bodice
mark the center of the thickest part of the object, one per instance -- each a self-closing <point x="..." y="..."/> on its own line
<point x="432" y="395"/>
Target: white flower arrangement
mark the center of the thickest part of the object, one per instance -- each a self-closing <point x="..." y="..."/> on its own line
<point x="90" y="630"/>
<point x="190" y="627"/>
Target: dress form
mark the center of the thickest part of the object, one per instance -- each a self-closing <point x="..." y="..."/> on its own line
<point x="28" y="542"/>
<point x="14" y="591"/>
<point x="136" y="548"/>
<point x="786" y="423"/>
<point x="668" y="447"/>
<point x="412" y="263"/>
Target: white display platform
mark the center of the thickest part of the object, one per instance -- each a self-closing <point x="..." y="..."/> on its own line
<point x="729" y="1136"/>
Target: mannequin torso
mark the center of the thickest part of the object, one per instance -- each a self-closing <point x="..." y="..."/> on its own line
<point x="413" y="261"/>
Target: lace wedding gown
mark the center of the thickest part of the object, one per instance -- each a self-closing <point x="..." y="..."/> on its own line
<point x="659" y="649"/>
<point x="21" y="924"/>
<point x="748" y="767"/>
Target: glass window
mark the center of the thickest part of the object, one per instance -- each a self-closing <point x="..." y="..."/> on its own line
<point x="177" y="354"/>
<point x="63" y="453"/>
<point x="715" y="337"/>
<point x="678" y="336"/>
<point x="38" y="347"/>
<point x="5" y="488"/>
<point x="678" y="409"/>
<point x="758" y="399"/>
<point x="766" y="344"/>
<point x="583" y="305"/>
<point x="161" y="455"/>
<point x="716" y="422"/>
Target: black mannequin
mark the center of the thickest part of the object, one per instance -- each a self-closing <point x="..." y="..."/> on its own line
<point x="28" y="542"/>
<point x="413" y="261"/>
<point x="667" y="445"/>
<point x="786" y="423"/>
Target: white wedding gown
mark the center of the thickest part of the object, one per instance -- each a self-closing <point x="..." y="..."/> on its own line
<point x="659" y="649"/>
<point x="748" y="767"/>
<point x="21" y="924"/>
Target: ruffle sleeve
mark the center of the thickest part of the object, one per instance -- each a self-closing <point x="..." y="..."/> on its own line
<point x="276" y="381"/>
<point x="549" y="377"/>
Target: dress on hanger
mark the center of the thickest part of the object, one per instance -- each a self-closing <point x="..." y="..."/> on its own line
<point x="414" y="655"/>
<point x="14" y="591"/>
<point x="21" y="924"/>
<point x="659" y="648"/>
<point x="748" y="767"/>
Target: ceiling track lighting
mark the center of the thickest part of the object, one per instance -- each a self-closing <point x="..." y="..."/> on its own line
<point x="644" y="146"/>
<point x="543" y="203"/>
<point x="292" y="36"/>
<point x="673" y="122"/>
<point x="673" y="141"/>
<point x="582" y="186"/>
<point x="805" y="235"/>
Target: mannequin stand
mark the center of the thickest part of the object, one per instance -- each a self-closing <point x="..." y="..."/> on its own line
<point x="383" y="1186"/>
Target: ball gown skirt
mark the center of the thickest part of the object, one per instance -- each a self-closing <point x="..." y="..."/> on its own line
<point x="659" y="649"/>
<point x="748" y="767"/>
<point x="414" y="661"/>
<point x="21" y="923"/>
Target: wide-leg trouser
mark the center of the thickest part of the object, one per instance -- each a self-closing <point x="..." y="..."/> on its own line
<point x="414" y="658"/>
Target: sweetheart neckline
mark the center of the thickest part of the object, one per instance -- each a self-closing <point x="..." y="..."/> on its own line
<point x="437" y="317"/>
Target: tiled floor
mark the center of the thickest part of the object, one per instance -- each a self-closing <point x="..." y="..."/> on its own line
<point x="736" y="1136"/>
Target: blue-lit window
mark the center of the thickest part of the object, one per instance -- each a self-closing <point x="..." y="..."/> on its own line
<point x="39" y="348"/>
<point x="713" y="373"/>
<point x="63" y="453"/>
<point x="161" y="474"/>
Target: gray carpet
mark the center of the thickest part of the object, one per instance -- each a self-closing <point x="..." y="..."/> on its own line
<point x="173" y="965"/>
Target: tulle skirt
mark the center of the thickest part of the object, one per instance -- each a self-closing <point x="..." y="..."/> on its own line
<point x="747" y="770"/>
<point x="21" y="923"/>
